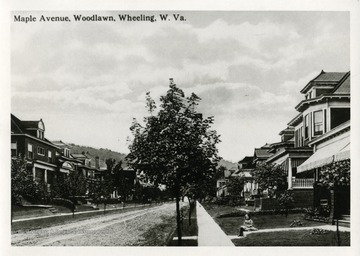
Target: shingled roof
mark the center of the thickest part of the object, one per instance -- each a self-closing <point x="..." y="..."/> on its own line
<point x="16" y="125"/>
<point x="325" y="78"/>
<point x="344" y="86"/>
<point x="20" y="126"/>
<point x="262" y="153"/>
<point x="329" y="76"/>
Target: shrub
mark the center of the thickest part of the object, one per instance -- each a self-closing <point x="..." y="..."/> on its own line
<point x="321" y="213"/>
<point x="296" y="223"/>
<point x="319" y="231"/>
<point x="64" y="202"/>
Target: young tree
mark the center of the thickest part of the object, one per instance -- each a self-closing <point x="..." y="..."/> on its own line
<point x="235" y="186"/>
<point x="286" y="200"/>
<point x="68" y="186"/>
<point x="175" y="147"/>
<point x="101" y="190"/>
<point x="270" y="177"/>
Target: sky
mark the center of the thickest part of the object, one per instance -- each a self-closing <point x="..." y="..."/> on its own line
<point x="88" y="80"/>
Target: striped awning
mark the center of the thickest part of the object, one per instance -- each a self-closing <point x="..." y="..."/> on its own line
<point x="336" y="151"/>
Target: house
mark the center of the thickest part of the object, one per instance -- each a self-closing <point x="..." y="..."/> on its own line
<point x="261" y="154"/>
<point x="87" y="165"/>
<point x="66" y="164"/>
<point x="245" y="166"/>
<point x="324" y="125"/>
<point x="221" y="182"/>
<point x="28" y="141"/>
<point x="325" y="109"/>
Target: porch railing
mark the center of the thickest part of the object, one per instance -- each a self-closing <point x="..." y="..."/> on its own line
<point x="303" y="183"/>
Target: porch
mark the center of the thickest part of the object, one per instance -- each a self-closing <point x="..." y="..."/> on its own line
<point x="302" y="183"/>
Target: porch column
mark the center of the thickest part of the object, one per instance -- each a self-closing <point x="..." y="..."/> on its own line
<point x="289" y="174"/>
<point x="45" y="175"/>
<point x="33" y="171"/>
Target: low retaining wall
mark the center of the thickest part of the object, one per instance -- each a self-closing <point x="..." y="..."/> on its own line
<point x="303" y="198"/>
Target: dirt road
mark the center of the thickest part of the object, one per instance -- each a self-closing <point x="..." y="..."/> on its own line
<point x="122" y="229"/>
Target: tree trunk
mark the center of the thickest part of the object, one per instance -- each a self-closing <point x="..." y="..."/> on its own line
<point x="178" y="216"/>
<point x="338" y="232"/>
<point x="12" y="213"/>
<point x="190" y="210"/>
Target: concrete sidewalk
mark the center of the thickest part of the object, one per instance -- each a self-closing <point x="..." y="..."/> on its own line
<point x="209" y="232"/>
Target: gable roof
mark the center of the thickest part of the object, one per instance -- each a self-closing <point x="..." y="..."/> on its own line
<point x="20" y="126"/>
<point x="16" y="125"/>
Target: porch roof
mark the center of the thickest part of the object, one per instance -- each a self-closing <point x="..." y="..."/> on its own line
<point x="336" y="151"/>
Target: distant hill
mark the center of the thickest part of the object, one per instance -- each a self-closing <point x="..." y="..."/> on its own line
<point x="229" y="165"/>
<point x="104" y="154"/>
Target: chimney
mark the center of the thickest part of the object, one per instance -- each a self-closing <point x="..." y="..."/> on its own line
<point x="97" y="162"/>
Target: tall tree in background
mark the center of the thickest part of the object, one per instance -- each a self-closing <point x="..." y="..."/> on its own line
<point x="175" y="147"/>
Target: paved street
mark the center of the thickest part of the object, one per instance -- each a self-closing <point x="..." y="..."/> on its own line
<point x="110" y="230"/>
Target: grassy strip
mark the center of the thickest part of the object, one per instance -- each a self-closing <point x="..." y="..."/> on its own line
<point x="160" y="234"/>
<point x="60" y="220"/>
<point x="188" y="229"/>
<point x="293" y="238"/>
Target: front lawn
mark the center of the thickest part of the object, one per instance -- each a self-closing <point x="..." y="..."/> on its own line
<point x="231" y="225"/>
<point x="293" y="238"/>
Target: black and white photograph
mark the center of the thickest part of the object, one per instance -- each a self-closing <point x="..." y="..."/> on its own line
<point x="180" y="128"/>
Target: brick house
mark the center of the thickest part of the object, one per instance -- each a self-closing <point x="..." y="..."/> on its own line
<point x="28" y="140"/>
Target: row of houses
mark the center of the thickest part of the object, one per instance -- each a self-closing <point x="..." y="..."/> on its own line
<point x="51" y="159"/>
<point x="317" y="136"/>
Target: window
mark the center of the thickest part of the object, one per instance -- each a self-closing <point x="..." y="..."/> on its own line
<point x="306" y="126"/>
<point x="30" y="151"/>
<point x="325" y="124"/>
<point x="318" y="122"/>
<point x="40" y="134"/>
<point x="66" y="152"/>
<point x="50" y="155"/>
<point x="13" y="149"/>
<point x="298" y="137"/>
<point x="339" y="116"/>
<point x="41" y="151"/>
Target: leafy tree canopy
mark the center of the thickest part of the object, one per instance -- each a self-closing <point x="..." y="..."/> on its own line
<point x="175" y="147"/>
<point x="22" y="181"/>
<point x="336" y="174"/>
<point x="235" y="185"/>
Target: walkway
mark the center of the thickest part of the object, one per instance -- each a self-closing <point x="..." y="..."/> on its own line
<point x="326" y="227"/>
<point x="209" y="232"/>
